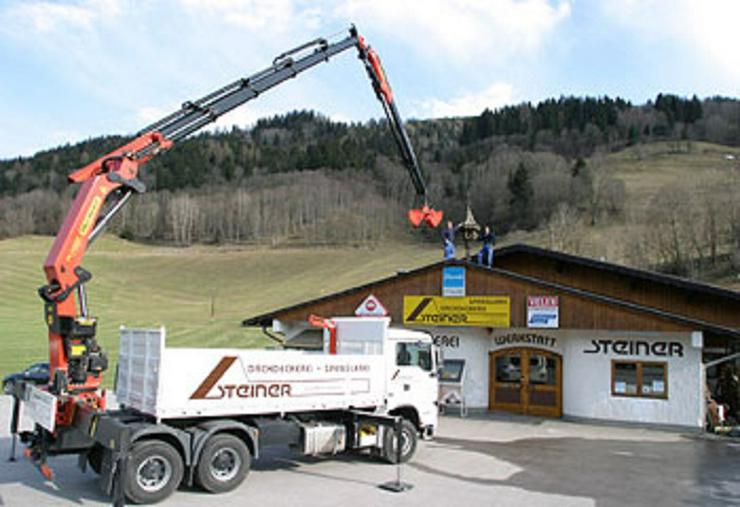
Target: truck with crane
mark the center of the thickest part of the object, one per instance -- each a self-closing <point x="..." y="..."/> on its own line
<point x="201" y="415"/>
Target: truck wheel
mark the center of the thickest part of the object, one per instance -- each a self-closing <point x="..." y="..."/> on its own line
<point x="223" y="464"/>
<point x="408" y="443"/>
<point x="154" y="471"/>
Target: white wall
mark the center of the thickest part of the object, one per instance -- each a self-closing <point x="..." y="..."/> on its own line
<point x="473" y="345"/>
<point x="587" y="382"/>
<point x="587" y="377"/>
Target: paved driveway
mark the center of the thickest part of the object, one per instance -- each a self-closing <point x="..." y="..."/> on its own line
<point x="477" y="461"/>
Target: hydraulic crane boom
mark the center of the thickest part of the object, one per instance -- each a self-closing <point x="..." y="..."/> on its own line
<point x="76" y="360"/>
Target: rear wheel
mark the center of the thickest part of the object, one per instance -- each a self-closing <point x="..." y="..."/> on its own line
<point x="224" y="463"/>
<point x="154" y="471"/>
<point x="408" y="443"/>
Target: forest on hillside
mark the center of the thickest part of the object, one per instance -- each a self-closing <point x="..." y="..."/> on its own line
<point x="302" y="178"/>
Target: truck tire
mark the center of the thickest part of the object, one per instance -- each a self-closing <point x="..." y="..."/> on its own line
<point x="154" y="471"/>
<point x="409" y="437"/>
<point x="224" y="463"/>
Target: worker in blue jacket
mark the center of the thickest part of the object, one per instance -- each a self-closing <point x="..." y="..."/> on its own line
<point x="485" y="256"/>
<point x="448" y="240"/>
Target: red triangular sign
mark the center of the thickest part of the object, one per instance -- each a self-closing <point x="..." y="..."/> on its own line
<point x="371" y="307"/>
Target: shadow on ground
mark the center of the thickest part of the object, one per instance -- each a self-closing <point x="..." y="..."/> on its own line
<point x="611" y="472"/>
<point x="66" y="485"/>
<point x="73" y="486"/>
<point x="688" y="472"/>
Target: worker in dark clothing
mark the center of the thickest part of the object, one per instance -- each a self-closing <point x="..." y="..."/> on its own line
<point x="448" y="240"/>
<point x="728" y="390"/>
<point x="485" y="256"/>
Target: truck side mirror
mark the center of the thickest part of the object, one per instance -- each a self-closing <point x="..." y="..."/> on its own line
<point x="438" y="361"/>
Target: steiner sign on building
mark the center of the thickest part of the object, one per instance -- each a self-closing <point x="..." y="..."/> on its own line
<point x="481" y="311"/>
<point x="543" y="311"/>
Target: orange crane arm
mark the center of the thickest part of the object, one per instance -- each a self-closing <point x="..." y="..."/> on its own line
<point x="76" y="360"/>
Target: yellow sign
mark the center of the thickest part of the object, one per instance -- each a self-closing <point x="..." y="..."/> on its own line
<point x="481" y="311"/>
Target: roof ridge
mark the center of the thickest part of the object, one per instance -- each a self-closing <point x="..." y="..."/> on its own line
<point x="612" y="266"/>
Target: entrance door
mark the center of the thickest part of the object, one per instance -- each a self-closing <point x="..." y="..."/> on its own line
<point x="525" y="381"/>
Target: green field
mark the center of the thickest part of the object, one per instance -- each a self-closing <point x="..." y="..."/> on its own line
<point x="138" y="285"/>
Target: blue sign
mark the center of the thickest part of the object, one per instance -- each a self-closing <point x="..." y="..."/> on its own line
<point x="546" y="319"/>
<point x="453" y="281"/>
<point x="543" y="311"/>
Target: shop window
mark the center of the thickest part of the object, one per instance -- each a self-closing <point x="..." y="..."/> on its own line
<point x="639" y="378"/>
<point x="509" y="368"/>
<point x="542" y="369"/>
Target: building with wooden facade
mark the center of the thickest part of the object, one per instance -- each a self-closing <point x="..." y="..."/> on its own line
<point x="552" y="334"/>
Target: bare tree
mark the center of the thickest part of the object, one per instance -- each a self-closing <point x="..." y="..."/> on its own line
<point x="565" y="229"/>
<point x="183" y="213"/>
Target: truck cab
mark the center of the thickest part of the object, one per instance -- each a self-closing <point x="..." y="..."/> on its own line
<point x="410" y="361"/>
<point x="412" y="369"/>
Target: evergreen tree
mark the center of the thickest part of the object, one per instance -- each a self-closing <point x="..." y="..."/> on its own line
<point x="521" y="198"/>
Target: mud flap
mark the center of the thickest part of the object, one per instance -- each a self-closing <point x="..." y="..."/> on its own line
<point x="113" y="475"/>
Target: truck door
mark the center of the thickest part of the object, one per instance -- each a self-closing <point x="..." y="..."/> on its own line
<point x="413" y="377"/>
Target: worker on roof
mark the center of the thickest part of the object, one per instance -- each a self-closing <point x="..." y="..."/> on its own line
<point x="448" y="240"/>
<point x="485" y="256"/>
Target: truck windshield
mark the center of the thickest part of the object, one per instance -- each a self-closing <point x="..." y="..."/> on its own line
<point x="414" y="354"/>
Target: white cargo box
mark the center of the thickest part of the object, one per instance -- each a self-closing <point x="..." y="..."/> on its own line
<point x="185" y="382"/>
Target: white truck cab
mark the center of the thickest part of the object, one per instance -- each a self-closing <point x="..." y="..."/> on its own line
<point x="412" y="372"/>
<point x="410" y="364"/>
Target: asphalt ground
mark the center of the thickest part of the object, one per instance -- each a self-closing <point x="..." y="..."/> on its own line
<point x="482" y="460"/>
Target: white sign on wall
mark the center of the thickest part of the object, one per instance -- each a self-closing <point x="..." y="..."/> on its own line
<point x="543" y="311"/>
<point x="371" y="307"/>
<point x="453" y="281"/>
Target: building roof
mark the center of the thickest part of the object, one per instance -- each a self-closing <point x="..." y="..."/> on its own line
<point x="266" y="318"/>
<point x="672" y="281"/>
<point x="652" y="276"/>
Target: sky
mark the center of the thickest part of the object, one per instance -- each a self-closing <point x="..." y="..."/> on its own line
<point x="76" y="69"/>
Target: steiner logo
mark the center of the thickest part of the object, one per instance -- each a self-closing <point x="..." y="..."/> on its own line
<point x="438" y="317"/>
<point x="211" y="389"/>
<point x="481" y="311"/>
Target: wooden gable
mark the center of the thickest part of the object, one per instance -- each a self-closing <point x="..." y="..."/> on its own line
<point x="577" y="310"/>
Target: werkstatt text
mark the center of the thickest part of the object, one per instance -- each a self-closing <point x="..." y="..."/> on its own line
<point x="482" y="311"/>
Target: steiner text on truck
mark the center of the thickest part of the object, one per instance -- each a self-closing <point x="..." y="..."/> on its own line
<point x="201" y="415"/>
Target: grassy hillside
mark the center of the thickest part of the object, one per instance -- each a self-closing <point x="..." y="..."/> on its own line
<point x="137" y="285"/>
<point x="647" y="171"/>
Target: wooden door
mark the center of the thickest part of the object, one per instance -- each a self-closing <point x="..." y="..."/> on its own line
<point x="543" y="386"/>
<point x="506" y="381"/>
<point x="526" y="381"/>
